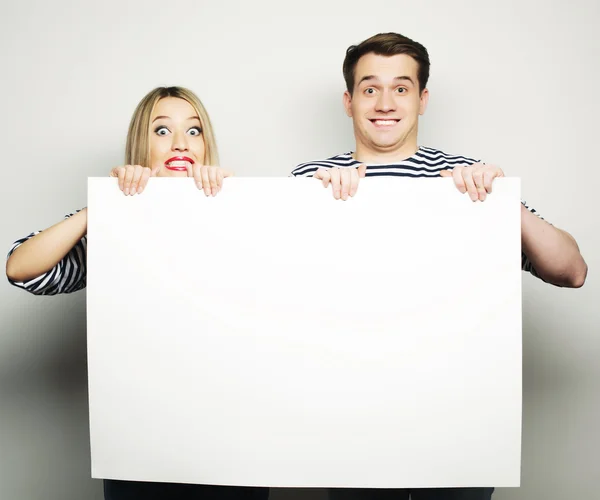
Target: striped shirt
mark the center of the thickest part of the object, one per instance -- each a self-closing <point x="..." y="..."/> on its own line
<point x="426" y="162"/>
<point x="68" y="276"/>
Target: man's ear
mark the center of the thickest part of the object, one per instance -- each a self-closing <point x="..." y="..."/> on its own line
<point x="348" y="103"/>
<point x="424" y="100"/>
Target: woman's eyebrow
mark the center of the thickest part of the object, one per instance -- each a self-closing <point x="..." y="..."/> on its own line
<point x="161" y="118"/>
<point x="168" y="118"/>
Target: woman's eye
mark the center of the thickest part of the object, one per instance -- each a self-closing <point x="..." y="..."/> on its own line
<point x="162" y="131"/>
<point x="195" y="131"/>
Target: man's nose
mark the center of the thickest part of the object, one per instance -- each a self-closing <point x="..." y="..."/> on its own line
<point x="385" y="102"/>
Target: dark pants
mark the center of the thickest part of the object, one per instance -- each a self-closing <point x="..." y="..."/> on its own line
<point x="133" y="490"/>
<point x="413" y="494"/>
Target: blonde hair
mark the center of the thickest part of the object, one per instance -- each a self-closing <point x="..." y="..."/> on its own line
<point x="137" y="148"/>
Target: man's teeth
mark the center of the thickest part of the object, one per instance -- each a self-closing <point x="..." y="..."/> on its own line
<point x="386" y="122"/>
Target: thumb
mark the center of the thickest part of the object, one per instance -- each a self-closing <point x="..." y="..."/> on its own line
<point x="323" y="175"/>
<point x="446" y="173"/>
<point x="362" y="170"/>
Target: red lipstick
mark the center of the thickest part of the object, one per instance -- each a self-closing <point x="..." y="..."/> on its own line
<point x="175" y="163"/>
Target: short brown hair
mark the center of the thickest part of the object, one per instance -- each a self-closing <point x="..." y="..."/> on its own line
<point x="137" y="148"/>
<point x="387" y="44"/>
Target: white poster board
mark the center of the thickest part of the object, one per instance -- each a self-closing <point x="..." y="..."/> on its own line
<point x="275" y="336"/>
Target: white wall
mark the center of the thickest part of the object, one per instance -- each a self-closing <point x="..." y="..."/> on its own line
<point x="512" y="82"/>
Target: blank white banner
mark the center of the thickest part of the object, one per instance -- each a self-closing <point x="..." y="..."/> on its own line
<point x="275" y="336"/>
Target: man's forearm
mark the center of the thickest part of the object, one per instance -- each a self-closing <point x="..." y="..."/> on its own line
<point x="553" y="252"/>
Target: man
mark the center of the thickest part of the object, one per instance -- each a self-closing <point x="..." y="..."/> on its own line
<point x="386" y="92"/>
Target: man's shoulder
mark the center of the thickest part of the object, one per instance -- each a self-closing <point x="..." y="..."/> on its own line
<point x="437" y="157"/>
<point x="308" y="169"/>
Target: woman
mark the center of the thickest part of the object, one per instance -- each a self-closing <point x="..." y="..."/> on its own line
<point x="170" y="135"/>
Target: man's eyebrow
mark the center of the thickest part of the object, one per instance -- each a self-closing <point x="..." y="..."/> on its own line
<point x="168" y="118"/>
<point x="405" y="78"/>
<point x="373" y="77"/>
<point x="366" y="78"/>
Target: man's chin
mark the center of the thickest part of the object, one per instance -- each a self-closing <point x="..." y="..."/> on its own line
<point x="388" y="145"/>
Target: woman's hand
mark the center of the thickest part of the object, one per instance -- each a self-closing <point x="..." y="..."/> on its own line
<point x="209" y="179"/>
<point x="132" y="178"/>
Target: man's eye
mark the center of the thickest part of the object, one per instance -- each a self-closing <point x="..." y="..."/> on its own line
<point x="370" y="91"/>
<point x="162" y="131"/>
<point x="401" y="90"/>
<point x="194" y="131"/>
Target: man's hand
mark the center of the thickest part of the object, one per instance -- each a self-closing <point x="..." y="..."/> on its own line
<point x="344" y="181"/>
<point x="475" y="179"/>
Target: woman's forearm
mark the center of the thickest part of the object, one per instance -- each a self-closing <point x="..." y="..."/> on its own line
<point x="46" y="249"/>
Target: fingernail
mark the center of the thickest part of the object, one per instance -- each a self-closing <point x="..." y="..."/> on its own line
<point x="126" y="191"/>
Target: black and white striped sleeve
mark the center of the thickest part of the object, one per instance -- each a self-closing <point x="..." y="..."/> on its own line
<point x="68" y="276"/>
<point x="306" y="169"/>
<point x="309" y="169"/>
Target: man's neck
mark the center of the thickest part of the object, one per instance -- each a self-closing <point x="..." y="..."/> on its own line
<point x="369" y="155"/>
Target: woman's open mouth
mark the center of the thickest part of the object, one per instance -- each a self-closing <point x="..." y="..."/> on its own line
<point x="179" y="163"/>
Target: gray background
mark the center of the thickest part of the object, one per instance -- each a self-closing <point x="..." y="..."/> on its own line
<point x="512" y="83"/>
